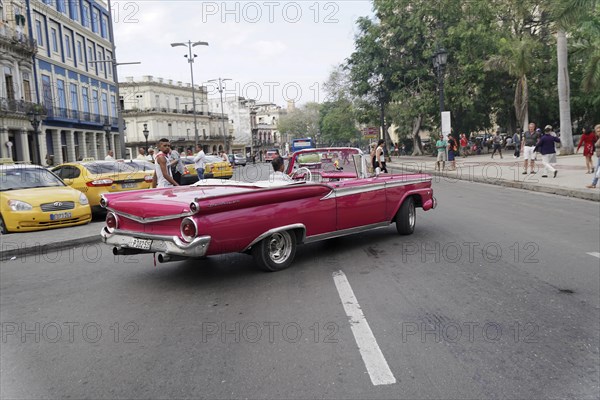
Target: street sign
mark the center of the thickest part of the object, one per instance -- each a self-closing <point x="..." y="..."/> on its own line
<point x="370" y="132"/>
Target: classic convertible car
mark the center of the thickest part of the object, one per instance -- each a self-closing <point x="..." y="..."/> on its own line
<point x="330" y="194"/>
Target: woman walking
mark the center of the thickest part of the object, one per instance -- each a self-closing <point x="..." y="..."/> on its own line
<point x="588" y="139"/>
<point x="597" y="145"/>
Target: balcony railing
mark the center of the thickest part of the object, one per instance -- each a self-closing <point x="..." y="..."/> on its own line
<point x="65" y="114"/>
<point x="20" y="107"/>
<point x="18" y="39"/>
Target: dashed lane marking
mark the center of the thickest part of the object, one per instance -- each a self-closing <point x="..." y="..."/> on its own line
<point x="377" y="366"/>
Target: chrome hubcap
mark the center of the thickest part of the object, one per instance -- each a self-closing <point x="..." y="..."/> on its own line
<point x="411" y="215"/>
<point x="280" y="247"/>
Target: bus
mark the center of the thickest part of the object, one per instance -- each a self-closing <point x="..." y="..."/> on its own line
<point x="301" y="144"/>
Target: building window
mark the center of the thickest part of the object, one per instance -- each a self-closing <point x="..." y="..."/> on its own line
<point x="26" y="87"/>
<point x="80" y="51"/>
<point x="95" y="20"/>
<point x="157" y="100"/>
<point x="54" y="38"/>
<point x="90" y="57"/>
<point x="47" y="92"/>
<point x="100" y="64"/>
<point x="62" y="98"/>
<point x="68" y="46"/>
<point x="38" y="29"/>
<point x="95" y="103"/>
<point x="8" y="80"/>
<point x="104" y="104"/>
<point x="74" y="10"/>
<point x="60" y="6"/>
<point x="74" y="99"/>
<point x="177" y="103"/>
<point x="113" y="105"/>
<point x="85" y="100"/>
<point x="85" y="17"/>
<point x="104" y="27"/>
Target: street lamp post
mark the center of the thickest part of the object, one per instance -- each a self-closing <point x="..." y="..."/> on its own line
<point x="36" y="117"/>
<point x="220" y="89"/>
<point x="190" y="58"/>
<point x="146" y="133"/>
<point x="107" y="128"/>
<point x="440" y="59"/>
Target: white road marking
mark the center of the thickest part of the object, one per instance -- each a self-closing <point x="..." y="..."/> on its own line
<point x="377" y="367"/>
<point x="595" y="254"/>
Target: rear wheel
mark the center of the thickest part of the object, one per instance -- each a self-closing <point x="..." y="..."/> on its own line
<point x="406" y="217"/>
<point x="275" y="252"/>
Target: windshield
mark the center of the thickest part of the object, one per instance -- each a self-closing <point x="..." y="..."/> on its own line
<point x="27" y="178"/>
<point x="111" y="167"/>
<point x="213" y="159"/>
<point x="325" y="160"/>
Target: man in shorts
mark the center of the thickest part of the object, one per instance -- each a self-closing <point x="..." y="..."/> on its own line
<point x="441" y="146"/>
<point x="530" y="139"/>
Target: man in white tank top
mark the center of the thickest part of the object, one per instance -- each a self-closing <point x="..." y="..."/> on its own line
<point x="162" y="175"/>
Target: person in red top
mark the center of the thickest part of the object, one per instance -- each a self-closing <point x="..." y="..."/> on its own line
<point x="588" y="138"/>
<point x="464" y="144"/>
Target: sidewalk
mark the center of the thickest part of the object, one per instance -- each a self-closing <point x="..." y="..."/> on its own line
<point x="570" y="181"/>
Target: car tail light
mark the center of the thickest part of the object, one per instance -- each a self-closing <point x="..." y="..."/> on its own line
<point x="189" y="230"/>
<point x="148" y="178"/>
<point x="99" y="183"/>
<point x="112" y="222"/>
<point x="186" y="172"/>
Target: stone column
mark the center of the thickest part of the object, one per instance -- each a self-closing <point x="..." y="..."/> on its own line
<point x="23" y="146"/>
<point x="83" y="151"/>
<point x="42" y="148"/>
<point x="93" y="151"/>
<point x="117" y="146"/>
<point x="58" y="158"/>
<point x="112" y="143"/>
<point x="71" y="146"/>
<point x="102" y="150"/>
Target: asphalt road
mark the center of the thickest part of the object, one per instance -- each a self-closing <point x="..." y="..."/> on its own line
<point x="494" y="295"/>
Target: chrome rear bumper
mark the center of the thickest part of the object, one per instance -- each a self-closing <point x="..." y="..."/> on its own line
<point x="171" y="245"/>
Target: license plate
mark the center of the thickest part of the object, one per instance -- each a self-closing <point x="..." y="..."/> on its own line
<point x="54" y="217"/>
<point x="142" y="244"/>
<point x="128" y="185"/>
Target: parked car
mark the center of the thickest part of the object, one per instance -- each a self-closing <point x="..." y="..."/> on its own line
<point x="239" y="159"/>
<point x="32" y="198"/>
<point x="214" y="167"/>
<point x="95" y="178"/>
<point x="190" y="175"/>
<point x="270" y="155"/>
<point x="269" y="218"/>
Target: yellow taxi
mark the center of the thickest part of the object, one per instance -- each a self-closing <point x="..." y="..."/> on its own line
<point x="33" y="198"/>
<point x="95" y="178"/>
<point x="214" y="167"/>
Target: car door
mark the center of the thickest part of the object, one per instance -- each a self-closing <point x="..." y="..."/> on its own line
<point x="360" y="202"/>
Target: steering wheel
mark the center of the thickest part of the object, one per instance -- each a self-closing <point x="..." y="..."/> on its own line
<point x="306" y="173"/>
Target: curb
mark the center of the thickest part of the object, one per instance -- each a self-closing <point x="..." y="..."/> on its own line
<point x="560" y="191"/>
<point x="15" y="249"/>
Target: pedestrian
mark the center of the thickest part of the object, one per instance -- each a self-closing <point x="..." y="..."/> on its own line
<point x="588" y="138"/>
<point x="497" y="142"/>
<point x="452" y="147"/>
<point x="380" y="157"/>
<point x="162" y="174"/>
<point x="546" y="146"/>
<point x="441" y="147"/>
<point x="517" y="142"/>
<point x="464" y="145"/>
<point x="199" y="161"/>
<point x="110" y="156"/>
<point x="597" y="147"/>
<point x="150" y="156"/>
<point x="530" y="139"/>
<point x="177" y="167"/>
<point x="141" y="154"/>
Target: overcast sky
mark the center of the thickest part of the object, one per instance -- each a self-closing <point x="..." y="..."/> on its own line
<point x="272" y="50"/>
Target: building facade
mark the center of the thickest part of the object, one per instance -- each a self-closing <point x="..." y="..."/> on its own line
<point x="164" y="109"/>
<point x="18" y="139"/>
<point x="238" y="109"/>
<point x="265" y="135"/>
<point x="74" y="79"/>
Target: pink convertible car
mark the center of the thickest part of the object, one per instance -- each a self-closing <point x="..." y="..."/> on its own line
<point x="331" y="193"/>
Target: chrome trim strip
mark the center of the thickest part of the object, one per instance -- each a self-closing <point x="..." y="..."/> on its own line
<point x="344" y="232"/>
<point x="140" y="235"/>
<point x="150" y="219"/>
<point x="341" y="192"/>
<point x="278" y="229"/>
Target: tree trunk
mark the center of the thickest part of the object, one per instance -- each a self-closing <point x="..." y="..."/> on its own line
<point x="564" y="100"/>
<point x="416" y="128"/>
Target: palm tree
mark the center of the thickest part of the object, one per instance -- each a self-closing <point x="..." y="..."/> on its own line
<point x="516" y="59"/>
<point x="566" y="13"/>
